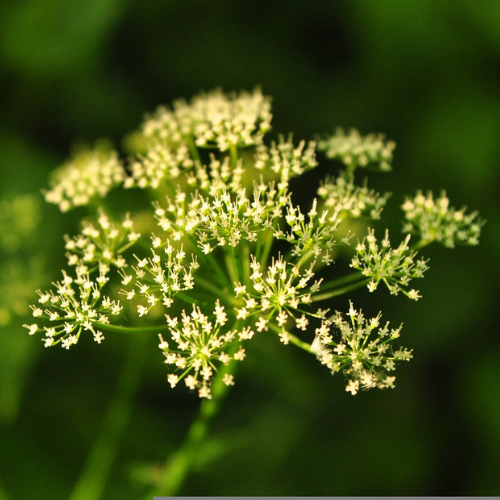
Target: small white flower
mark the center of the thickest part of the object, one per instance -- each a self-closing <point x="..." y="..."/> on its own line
<point x="173" y="379"/>
<point x="352" y="387"/>
<point x="32" y="328"/>
<point x="261" y="324"/>
<point x="98" y="337"/>
<point x="190" y="382"/>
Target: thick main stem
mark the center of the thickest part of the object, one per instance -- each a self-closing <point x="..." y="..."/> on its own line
<point x="181" y="463"/>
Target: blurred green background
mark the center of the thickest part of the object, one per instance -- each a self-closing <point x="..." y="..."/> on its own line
<point x="427" y="74"/>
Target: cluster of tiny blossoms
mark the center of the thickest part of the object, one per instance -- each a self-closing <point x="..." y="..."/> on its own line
<point x="233" y="252"/>
<point x="315" y="235"/>
<point x="161" y="277"/>
<point x="220" y="220"/>
<point x="343" y="195"/>
<point x="102" y="243"/>
<point x="277" y="295"/>
<point x="435" y="220"/>
<point x="161" y="162"/>
<point x="286" y="159"/>
<point x="396" y="267"/>
<point x="214" y="119"/>
<point x="355" y="150"/>
<point x="201" y="346"/>
<point x="90" y="174"/>
<point x="77" y="305"/>
<point x="360" y="348"/>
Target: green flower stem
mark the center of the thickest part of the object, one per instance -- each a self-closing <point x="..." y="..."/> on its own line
<point x="339" y="291"/>
<point x="218" y="292"/>
<point x="348" y="278"/>
<point x="233" y="150"/>
<point x="268" y="243"/>
<point x="293" y="339"/>
<point x="188" y="299"/>
<point x="192" y="148"/>
<point x="210" y="261"/>
<point x="181" y="462"/>
<point x="131" y="329"/>
<point x="231" y="265"/>
<point x="245" y="258"/>
<point x="237" y="263"/>
<point x="299" y="343"/>
<point x="92" y="480"/>
<point x="306" y="257"/>
<point x="126" y="247"/>
<point x="420" y="244"/>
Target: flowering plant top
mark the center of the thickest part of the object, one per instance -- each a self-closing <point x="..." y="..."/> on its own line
<point x="224" y="255"/>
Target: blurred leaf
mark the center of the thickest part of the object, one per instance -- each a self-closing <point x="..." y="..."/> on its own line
<point x="456" y="138"/>
<point x="23" y="165"/>
<point x="3" y="493"/>
<point x="479" y="398"/>
<point x="49" y="37"/>
<point x="484" y="15"/>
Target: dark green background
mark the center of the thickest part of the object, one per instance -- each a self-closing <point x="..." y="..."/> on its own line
<point x="427" y="74"/>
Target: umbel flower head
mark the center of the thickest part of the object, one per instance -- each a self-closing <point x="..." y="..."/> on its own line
<point x="90" y="174"/>
<point x="354" y="150"/>
<point x="77" y="305"/>
<point x="355" y="201"/>
<point x="395" y="267"/>
<point x="199" y="346"/>
<point x="214" y="119"/>
<point x="360" y="348"/>
<point x="225" y="249"/>
<point x="102" y="243"/>
<point x="434" y="220"/>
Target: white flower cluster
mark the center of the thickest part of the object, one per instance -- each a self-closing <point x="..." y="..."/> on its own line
<point x="316" y="236"/>
<point x="160" y="278"/>
<point x="277" y="295"/>
<point x="396" y="267"/>
<point x="200" y="347"/>
<point x="90" y="174"/>
<point x="77" y="305"/>
<point x="220" y="220"/>
<point x="233" y="234"/>
<point x="102" y="244"/>
<point x="285" y="159"/>
<point x="362" y="351"/>
<point x="214" y="119"/>
<point x="342" y="194"/>
<point x="220" y="176"/>
<point x="434" y="220"/>
<point x="159" y="163"/>
<point x="355" y="150"/>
